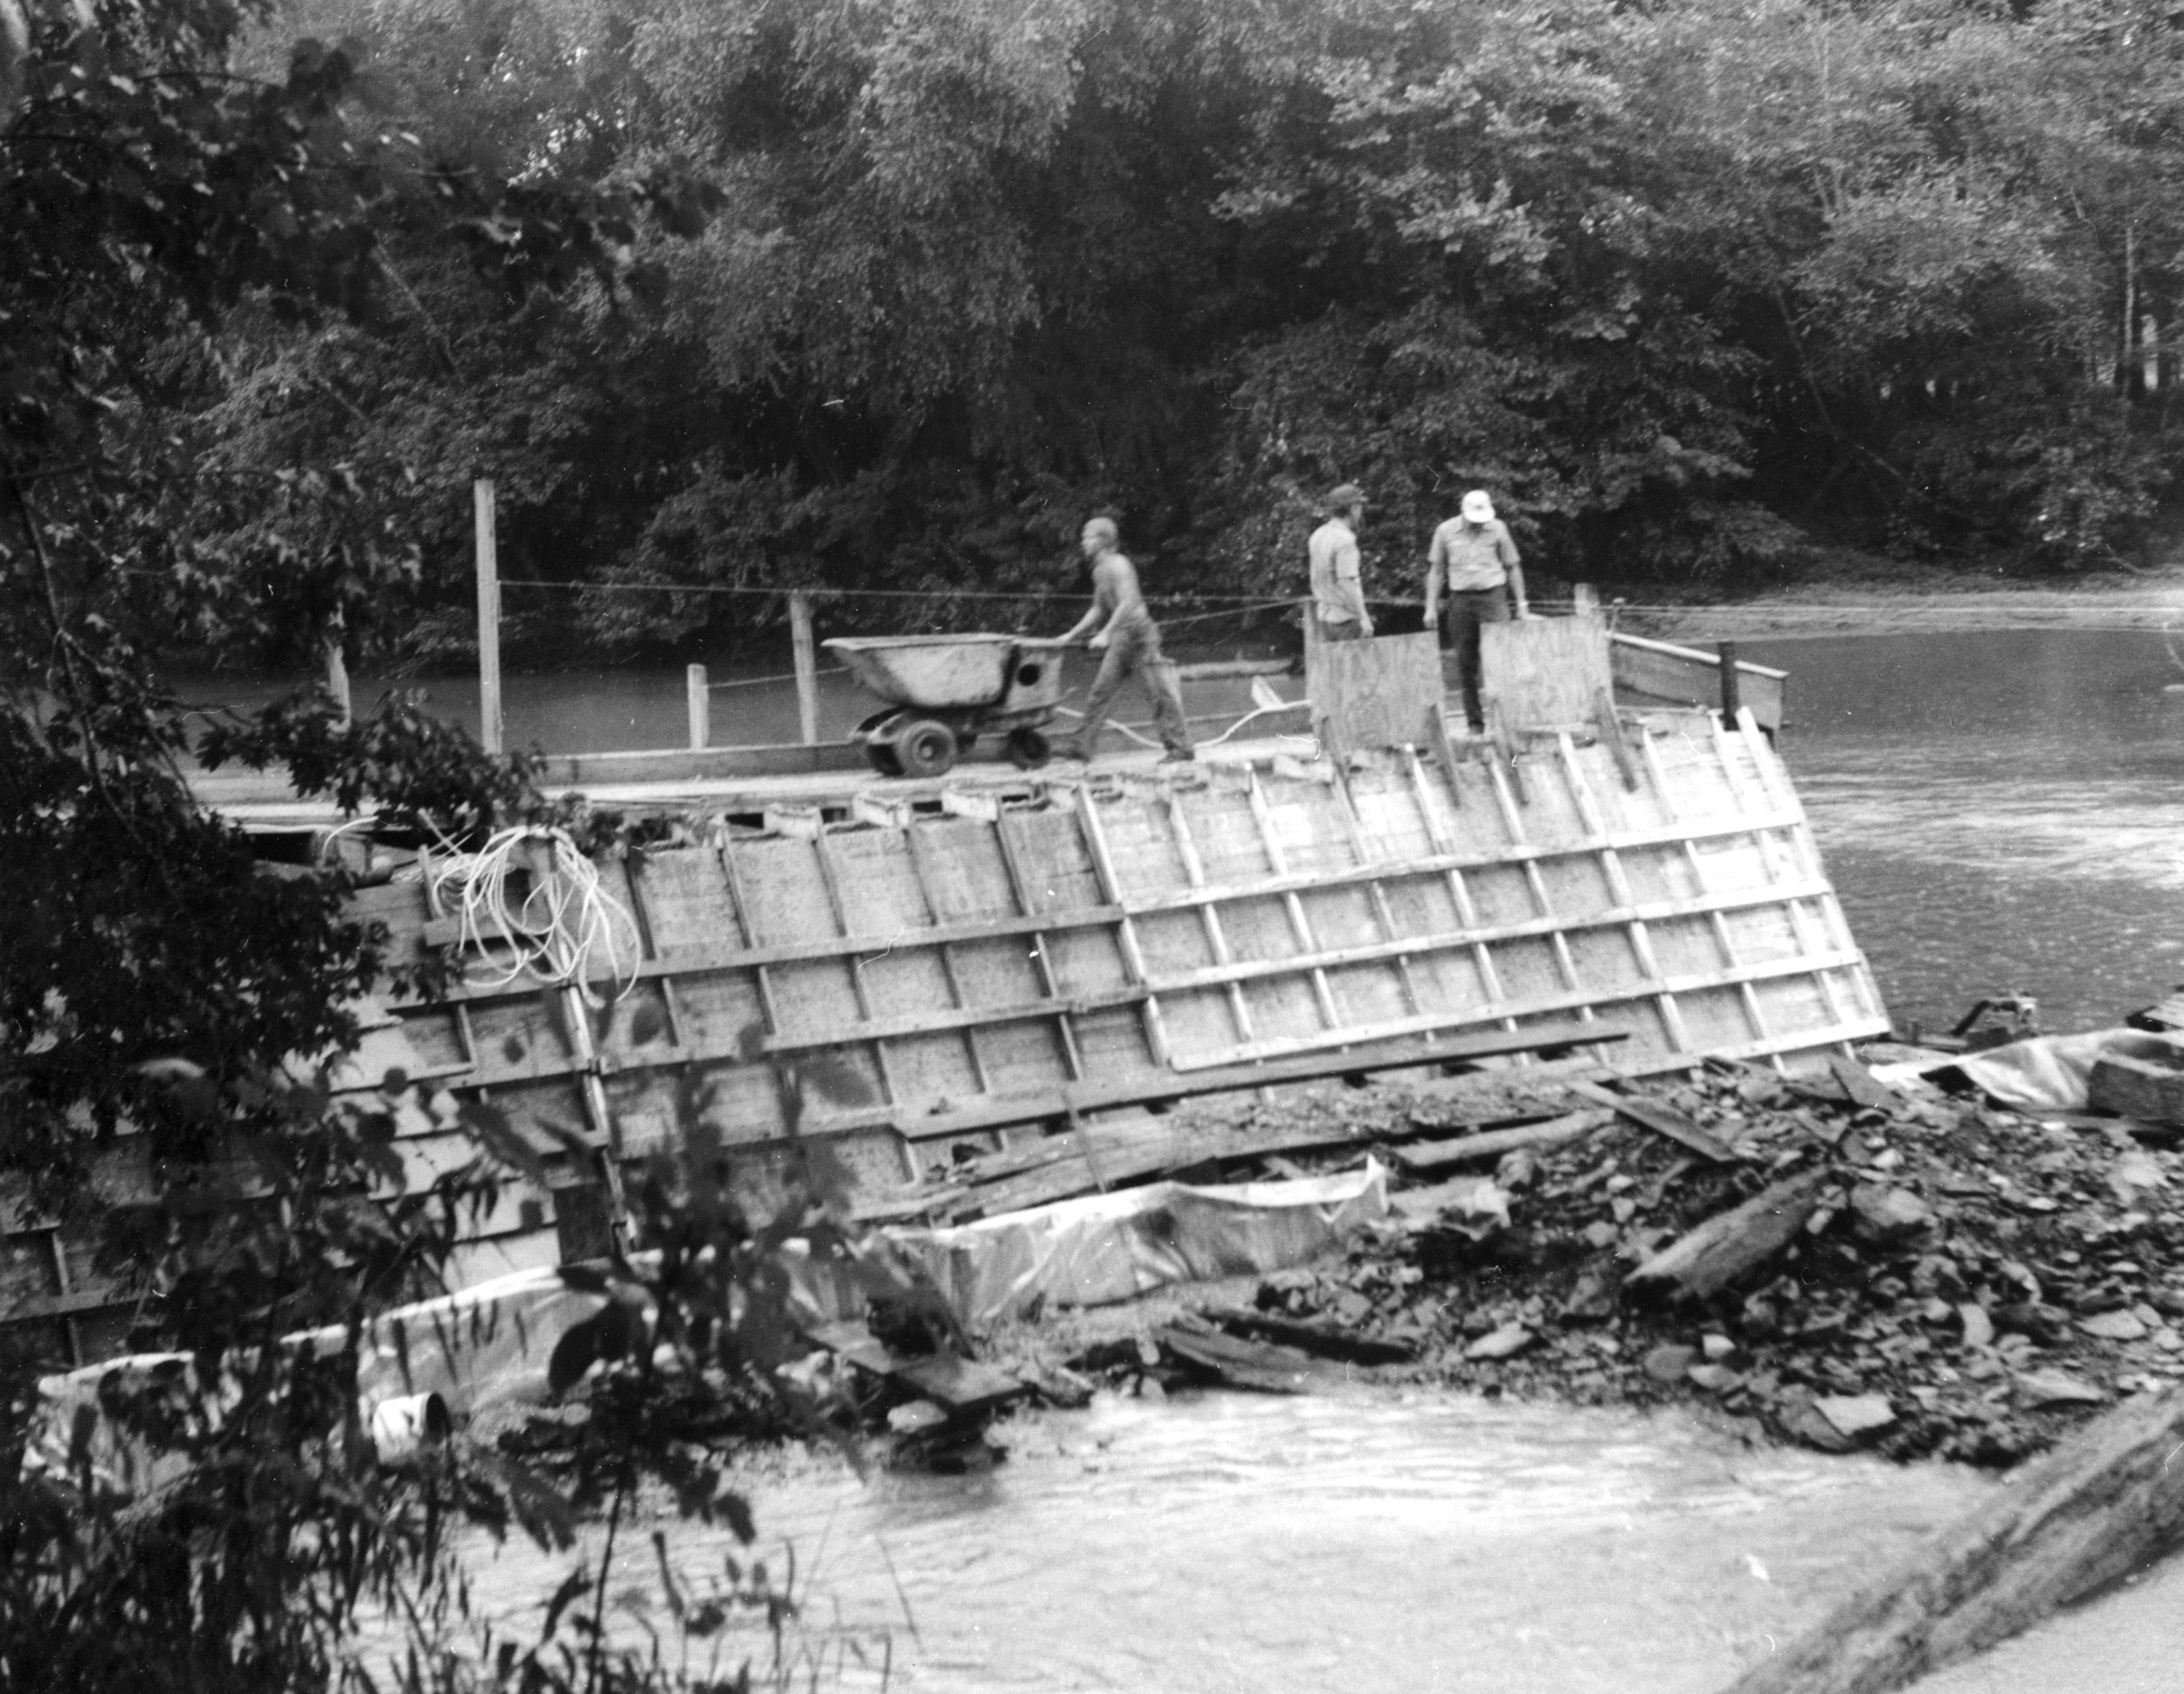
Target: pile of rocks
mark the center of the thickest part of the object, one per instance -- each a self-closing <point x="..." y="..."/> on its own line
<point x="1848" y="1266"/>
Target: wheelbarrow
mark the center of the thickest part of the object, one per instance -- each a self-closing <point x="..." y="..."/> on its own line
<point x="945" y="691"/>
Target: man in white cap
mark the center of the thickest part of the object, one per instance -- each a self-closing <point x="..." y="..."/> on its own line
<point x="1338" y="595"/>
<point x="1121" y="630"/>
<point x="1474" y="559"/>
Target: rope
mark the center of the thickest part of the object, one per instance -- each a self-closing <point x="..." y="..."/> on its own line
<point x="1230" y="603"/>
<point x="566" y="917"/>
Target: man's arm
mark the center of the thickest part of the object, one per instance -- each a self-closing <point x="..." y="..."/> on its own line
<point x="1436" y="568"/>
<point x="1513" y="567"/>
<point x="1348" y="578"/>
<point x="1103" y="596"/>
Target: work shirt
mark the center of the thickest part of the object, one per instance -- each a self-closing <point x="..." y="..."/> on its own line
<point x="1473" y="557"/>
<point x="1336" y="590"/>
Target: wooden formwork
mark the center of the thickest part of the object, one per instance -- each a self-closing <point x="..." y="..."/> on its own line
<point x="1002" y="957"/>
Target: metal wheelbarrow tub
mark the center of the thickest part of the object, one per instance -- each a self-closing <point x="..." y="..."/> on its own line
<point x="945" y="691"/>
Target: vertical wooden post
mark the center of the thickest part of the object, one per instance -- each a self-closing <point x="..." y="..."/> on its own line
<point x="1730" y="701"/>
<point x="806" y="667"/>
<point x="699" y="698"/>
<point x="489" y="727"/>
<point x="336" y="663"/>
<point x="1583" y="599"/>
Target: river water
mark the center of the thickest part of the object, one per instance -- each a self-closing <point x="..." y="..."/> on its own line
<point x="2000" y="811"/>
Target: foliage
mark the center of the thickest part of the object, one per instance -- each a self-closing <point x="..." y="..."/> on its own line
<point x="1676" y="280"/>
<point x="430" y="776"/>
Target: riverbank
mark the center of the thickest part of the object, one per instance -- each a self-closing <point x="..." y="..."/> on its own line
<point x="1850" y="593"/>
<point x="1824" y="1261"/>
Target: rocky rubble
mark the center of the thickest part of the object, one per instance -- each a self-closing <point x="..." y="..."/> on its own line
<point x="1919" y="1276"/>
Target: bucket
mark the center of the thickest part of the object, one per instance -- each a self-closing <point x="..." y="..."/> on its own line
<point x="400" y="1428"/>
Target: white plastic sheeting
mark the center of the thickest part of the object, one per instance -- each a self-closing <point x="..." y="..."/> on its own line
<point x="2049" y="1073"/>
<point x="1104" y="1248"/>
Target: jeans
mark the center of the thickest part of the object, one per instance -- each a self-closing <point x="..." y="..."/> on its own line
<point x="1134" y="650"/>
<point x="1468" y="608"/>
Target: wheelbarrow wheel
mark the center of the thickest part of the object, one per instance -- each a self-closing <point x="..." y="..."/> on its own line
<point x="926" y="748"/>
<point x="1028" y="749"/>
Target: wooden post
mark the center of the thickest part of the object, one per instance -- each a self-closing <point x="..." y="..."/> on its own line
<point x="1729" y="703"/>
<point x="700" y="700"/>
<point x="331" y="635"/>
<point x="806" y="667"/>
<point x="1583" y="599"/>
<point x="489" y="728"/>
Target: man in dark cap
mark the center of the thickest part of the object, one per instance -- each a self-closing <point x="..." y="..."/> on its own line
<point x="1129" y="643"/>
<point x="1338" y="594"/>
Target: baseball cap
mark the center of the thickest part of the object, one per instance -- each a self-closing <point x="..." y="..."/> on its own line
<point x="1477" y="508"/>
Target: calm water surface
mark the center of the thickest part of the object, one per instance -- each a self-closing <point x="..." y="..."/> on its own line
<point x="1999" y="811"/>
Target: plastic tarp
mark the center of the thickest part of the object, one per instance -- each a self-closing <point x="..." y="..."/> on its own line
<point x="1104" y="1248"/>
<point x="487" y="1346"/>
<point x="2047" y="1072"/>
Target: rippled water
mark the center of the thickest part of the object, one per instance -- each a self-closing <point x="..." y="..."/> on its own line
<point x="1354" y="1541"/>
<point x="2000" y="811"/>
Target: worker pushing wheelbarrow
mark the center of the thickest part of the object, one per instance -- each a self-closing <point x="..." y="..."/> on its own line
<point x="945" y="691"/>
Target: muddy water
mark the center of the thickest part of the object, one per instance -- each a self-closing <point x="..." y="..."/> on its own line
<point x="1353" y="1541"/>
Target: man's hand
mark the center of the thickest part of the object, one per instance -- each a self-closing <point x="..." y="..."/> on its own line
<point x="1433" y="614"/>
<point x="1365" y="627"/>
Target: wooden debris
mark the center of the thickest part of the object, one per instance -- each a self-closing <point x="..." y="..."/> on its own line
<point x="2152" y="1089"/>
<point x="1862" y="1087"/>
<point x="1731" y="1245"/>
<point x="1659" y="1119"/>
<point x="959" y="1385"/>
<point x="1492" y="1143"/>
<point x="2098" y="1506"/>
<point x="1326" y="1340"/>
<point x="1239" y="1364"/>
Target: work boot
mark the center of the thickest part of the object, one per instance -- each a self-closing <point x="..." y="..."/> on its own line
<point x="1179" y="756"/>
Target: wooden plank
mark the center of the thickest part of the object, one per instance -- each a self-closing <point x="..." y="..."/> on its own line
<point x="1153" y="1087"/>
<point x="1544" y="672"/>
<point x="1686" y="676"/>
<point x="1651" y="1115"/>
<point x="1517" y="854"/>
<point x="1111" y="893"/>
<point x="945" y="1021"/>
<point x="1492" y="1143"/>
<point x="1374" y="692"/>
<point x="1580" y="999"/>
<point x="674" y="765"/>
<point x="733" y="955"/>
<point x="2104" y="1502"/>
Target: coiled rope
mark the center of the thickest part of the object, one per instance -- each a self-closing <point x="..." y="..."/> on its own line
<point x="568" y="929"/>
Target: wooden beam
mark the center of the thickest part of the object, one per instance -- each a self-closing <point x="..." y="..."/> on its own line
<point x="490" y="729"/>
<point x="806" y="667"/>
<point x="2103" y="1503"/>
<point x="697" y="696"/>
<point x="1155" y="1086"/>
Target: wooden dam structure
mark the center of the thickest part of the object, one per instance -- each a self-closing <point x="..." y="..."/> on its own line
<point x="902" y="969"/>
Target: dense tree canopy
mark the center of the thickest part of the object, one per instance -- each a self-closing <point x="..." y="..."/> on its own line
<point x="1687" y="283"/>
